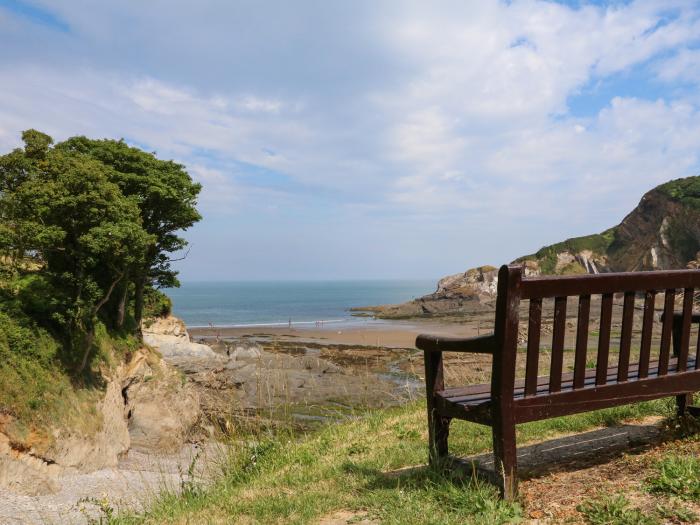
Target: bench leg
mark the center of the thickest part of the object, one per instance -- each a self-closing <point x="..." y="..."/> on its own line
<point x="438" y="425"/>
<point x="505" y="460"/>
<point x="438" y="431"/>
<point x="682" y="403"/>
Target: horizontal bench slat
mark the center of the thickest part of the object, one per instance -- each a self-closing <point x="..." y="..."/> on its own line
<point x="598" y="397"/>
<point x="557" y="286"/>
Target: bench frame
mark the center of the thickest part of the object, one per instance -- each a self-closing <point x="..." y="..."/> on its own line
<point x="505" y="409"/>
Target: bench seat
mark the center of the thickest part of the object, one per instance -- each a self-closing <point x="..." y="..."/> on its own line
<point x="474" y="402"/>
<point x="469" y="397"/>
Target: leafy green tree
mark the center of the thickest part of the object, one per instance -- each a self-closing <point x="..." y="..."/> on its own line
<point x="88" y="228"/>
<point x="167" y="198"/>
<point x="88" y="235"/>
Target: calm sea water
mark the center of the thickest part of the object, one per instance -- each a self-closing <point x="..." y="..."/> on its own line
<point x="270" y="303"/>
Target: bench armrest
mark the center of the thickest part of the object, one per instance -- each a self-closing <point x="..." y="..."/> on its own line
<point x="484" y="344"/>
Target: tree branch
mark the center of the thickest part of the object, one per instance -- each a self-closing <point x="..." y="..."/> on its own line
<point x="181" y="258"/>
<point x="107" y="295"/>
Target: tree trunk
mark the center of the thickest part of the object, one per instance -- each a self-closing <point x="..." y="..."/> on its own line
<point x="87" y="343"/>
<point x="121" y="308"/>
<point x="139" y="286"/>
<point x="90" y="332"/>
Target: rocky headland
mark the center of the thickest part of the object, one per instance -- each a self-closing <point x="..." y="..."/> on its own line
<point x="662" y="232"/>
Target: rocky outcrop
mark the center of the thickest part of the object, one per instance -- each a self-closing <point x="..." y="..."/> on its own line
<point x="469" y="291"/>
<point x="169" y="336"/>
<point x="75" y="450"/>
<point x="662" y="232"/>
<point x="146" y="405"/>
<point x="161" y="412"/>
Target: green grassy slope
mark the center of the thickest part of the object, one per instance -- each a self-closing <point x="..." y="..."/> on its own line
<point x="359" y="467"/>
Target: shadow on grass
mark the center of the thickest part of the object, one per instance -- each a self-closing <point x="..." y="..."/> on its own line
<point x="568" y="453"/>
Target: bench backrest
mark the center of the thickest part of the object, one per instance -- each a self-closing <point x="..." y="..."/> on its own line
<point x="512" y="288"/>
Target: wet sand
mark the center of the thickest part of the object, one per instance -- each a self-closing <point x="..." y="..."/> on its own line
<point x="395" y="334"/>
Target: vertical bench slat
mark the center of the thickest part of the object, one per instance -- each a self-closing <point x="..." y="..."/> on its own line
<point x="533" y="346"/>
<point x="666" y="332"/>
<point x="623" y="362"/>
<point x="557" y="344"/>
<point x="584" y="310"/>
<point x="604" y="339"/>
<point x="647" y="327"/>
<point x="697" y="351"/>
<point x="685" y="329"/>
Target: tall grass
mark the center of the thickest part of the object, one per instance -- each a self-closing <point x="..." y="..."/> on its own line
<point x="372" y="466"/>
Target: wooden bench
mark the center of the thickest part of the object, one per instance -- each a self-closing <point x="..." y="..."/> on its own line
<point x="506" y="401"/>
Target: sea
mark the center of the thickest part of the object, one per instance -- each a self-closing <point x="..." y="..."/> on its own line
<point x="277" y="303"/>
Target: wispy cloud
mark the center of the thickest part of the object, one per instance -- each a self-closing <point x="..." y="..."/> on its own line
<point x="451" y="123"/>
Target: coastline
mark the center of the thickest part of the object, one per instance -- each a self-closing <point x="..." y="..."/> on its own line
<point x="386" y="334"/>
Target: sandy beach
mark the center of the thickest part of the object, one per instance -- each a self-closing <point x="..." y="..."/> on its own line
<point x="395" y="334"/>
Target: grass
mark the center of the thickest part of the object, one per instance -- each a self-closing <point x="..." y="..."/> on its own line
<point x="615" y="510"/>
<point x="677" y="476"/>
<point x="371" y="466"/>
<point x="39" y="396"/>
<point x="677" y="514"/>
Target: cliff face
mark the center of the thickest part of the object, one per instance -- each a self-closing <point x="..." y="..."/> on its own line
<point x="662" y="232"/>
<point x="145" y="406"/>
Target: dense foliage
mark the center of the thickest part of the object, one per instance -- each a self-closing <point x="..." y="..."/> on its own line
<point x="86" y="232"/>
<point x="686" y="191"/>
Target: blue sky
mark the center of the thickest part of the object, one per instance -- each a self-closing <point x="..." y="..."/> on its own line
<point x="371" y="139"/>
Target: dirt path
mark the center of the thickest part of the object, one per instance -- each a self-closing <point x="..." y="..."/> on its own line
<point x="132" y="484"/>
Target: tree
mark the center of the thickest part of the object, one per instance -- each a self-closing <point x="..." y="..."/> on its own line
<point x="88" y="227"/>
<point x="166" y="197"/>
<point x="87" y="234"/>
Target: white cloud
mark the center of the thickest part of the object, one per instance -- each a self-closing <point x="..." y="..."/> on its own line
<point x="457" y="112"/>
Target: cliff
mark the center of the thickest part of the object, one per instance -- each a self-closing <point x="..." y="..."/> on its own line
<point x="138" y="402"/>
<point x="661" y="232"/>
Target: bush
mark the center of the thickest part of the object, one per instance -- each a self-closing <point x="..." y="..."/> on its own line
<point x="156" y="303"/>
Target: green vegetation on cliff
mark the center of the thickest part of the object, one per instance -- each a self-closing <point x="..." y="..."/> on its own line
<point x="597" y="243"/>
<point x="86" y="232"/>
<point x="662" y="232"/>
<point x="686" y="191"/>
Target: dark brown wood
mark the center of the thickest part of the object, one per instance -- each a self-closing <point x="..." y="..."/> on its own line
<point x="626" y="336"/>
<point x="505" y="402"/>
<point x="647" y="330"/>
<point x="533" y="346"/>
<point x="584" y="310"/>
<point x="503" y="378"/>
<point x="484" y="344"/>
<point x="686" y="320"/>
<point x="472" y="395"/>
<point x="438" y="424"/>
<point x="559" y="329"/>
<point x="604" y="337"/>
<point x="666" y="331"/>
<point x="608" y="283"/>
<point x="597" y="397"/>
<point x="697" y="350"/>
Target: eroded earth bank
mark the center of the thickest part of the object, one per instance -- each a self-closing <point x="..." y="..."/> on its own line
<point x="165" y="411"/>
